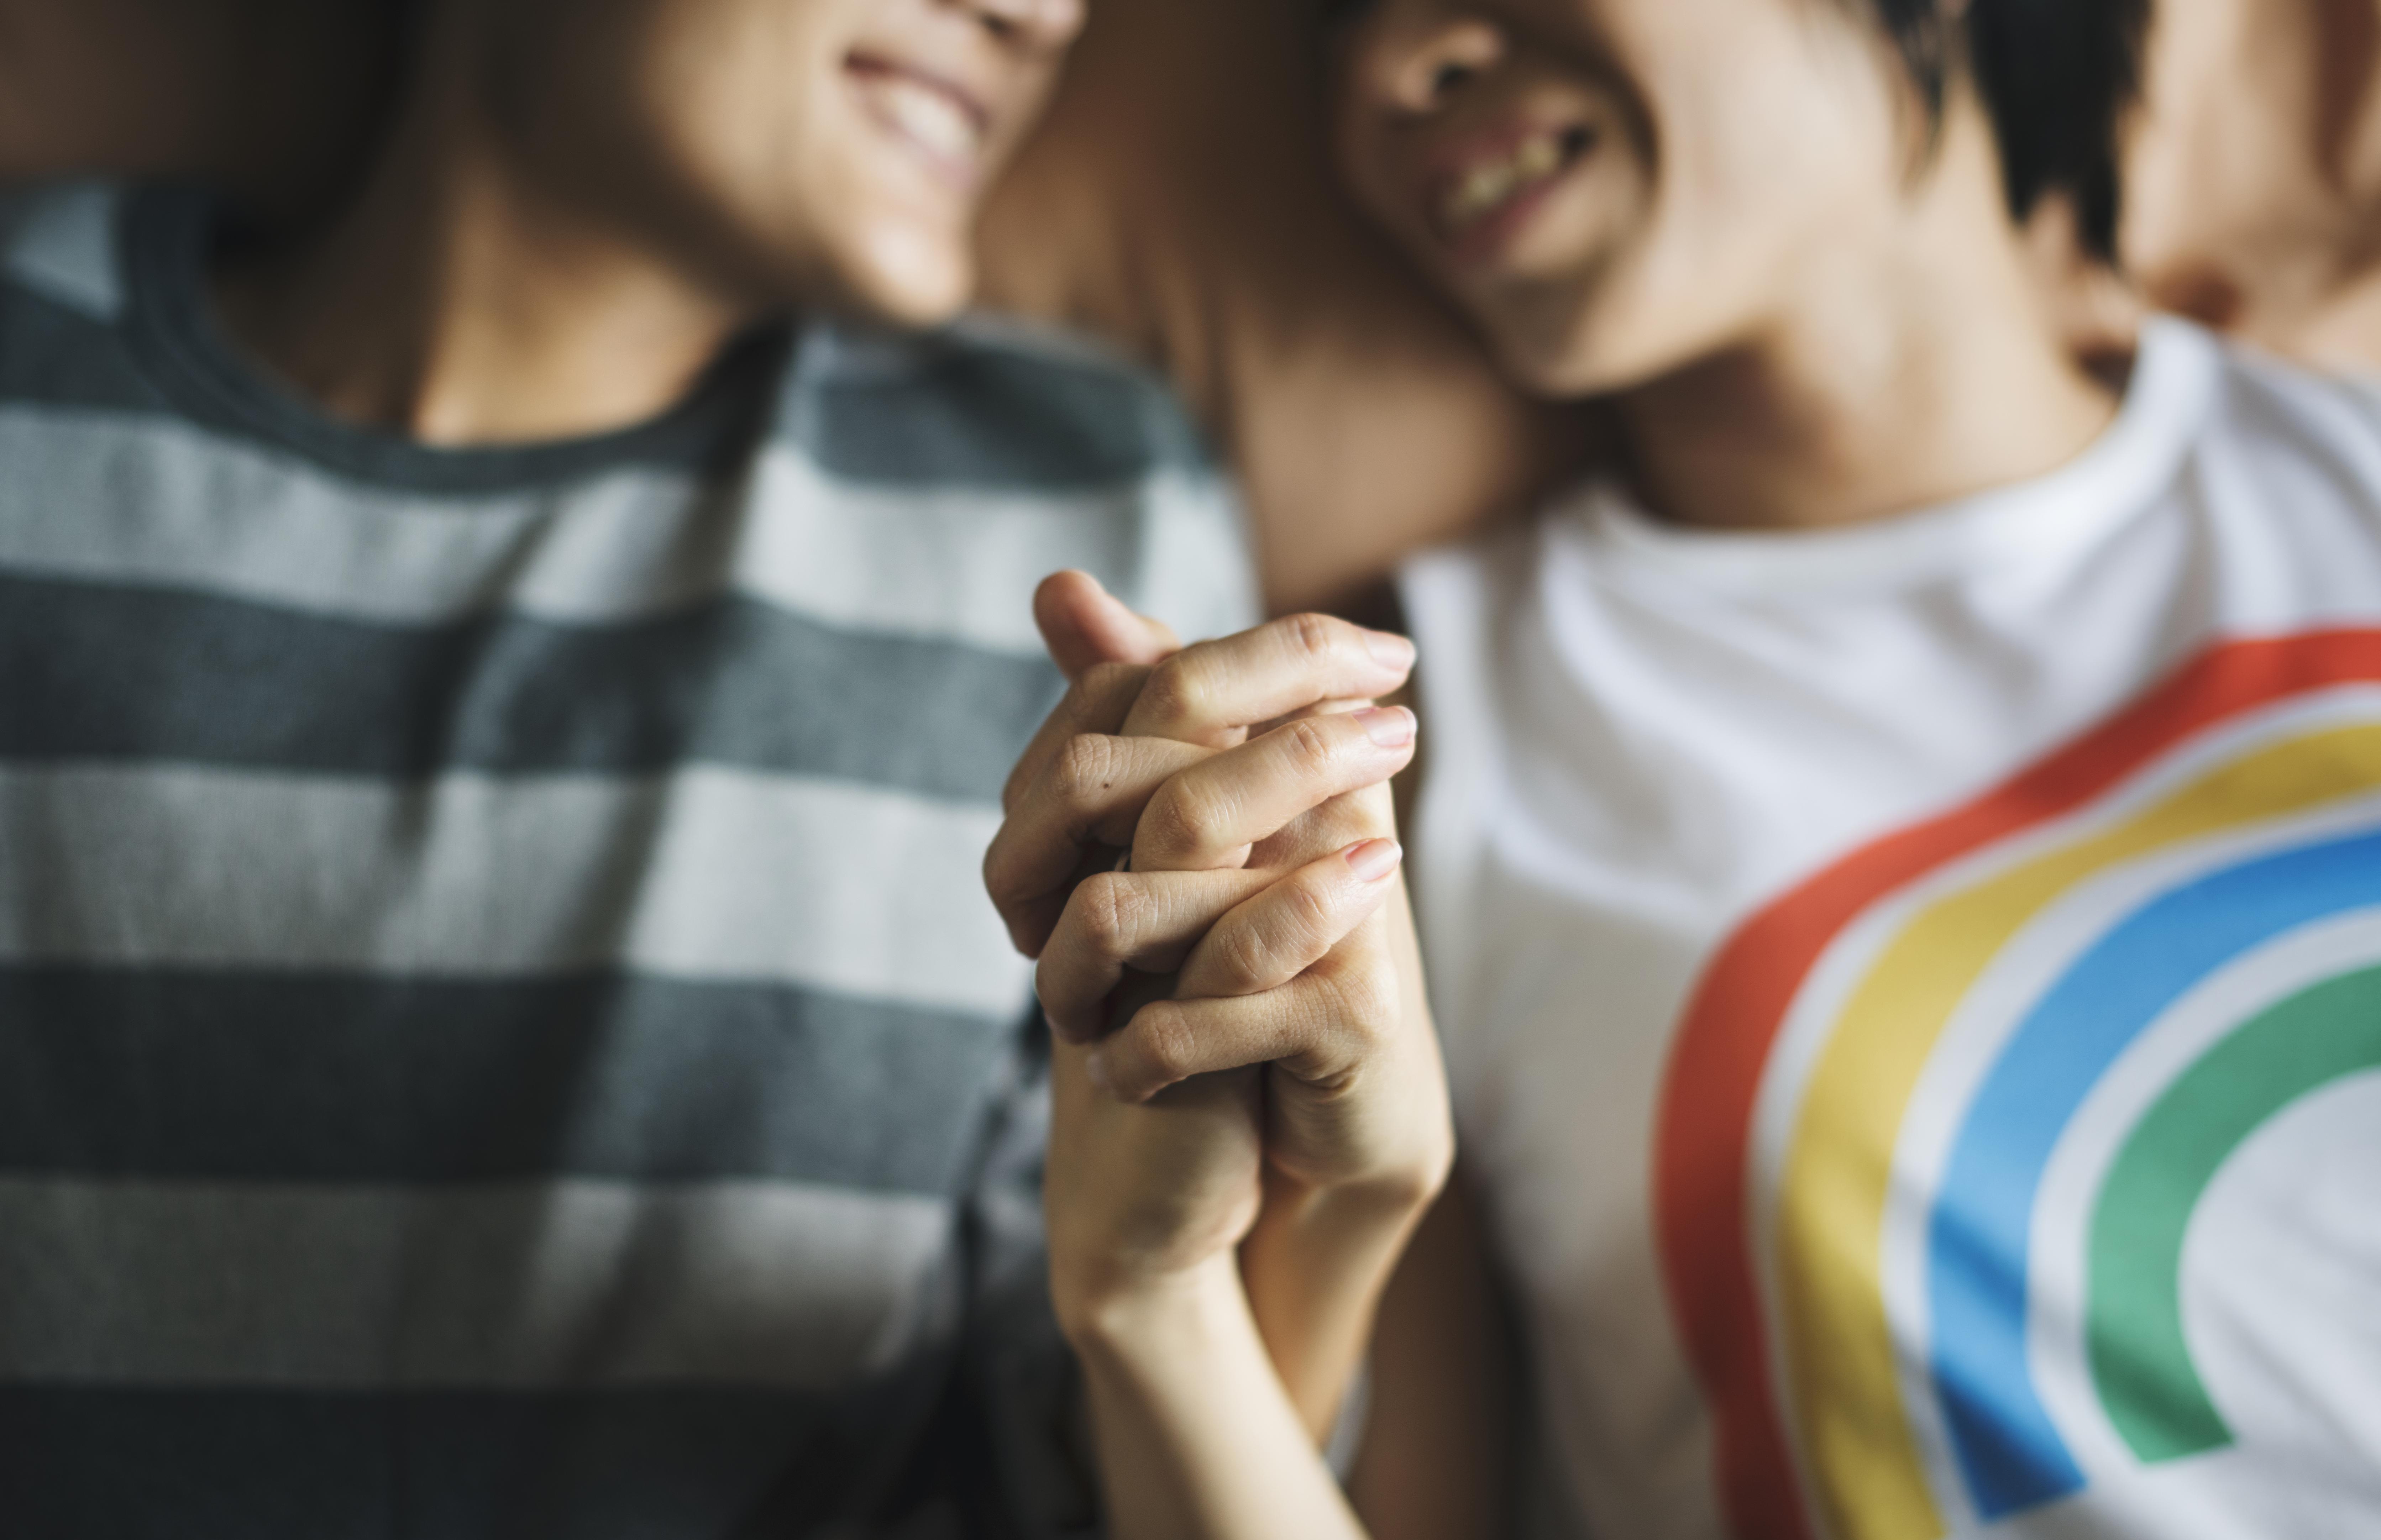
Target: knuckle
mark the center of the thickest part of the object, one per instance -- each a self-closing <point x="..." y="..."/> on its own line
<point x="1309" y="744"/>
<point x="996" y="880"/>
<point x="1181" y="688"/>
<point x="1181" y="821"/>
<point x="1008" y="876"/>
<point x="1110" y="909"/>
<point x="1085" y="768"/>
<point x="1343" y="820"/>
<point x="1166" y="1047"/>
<point x="1244" y="960"/>
<point x="1314" y="637"/>
<point x="1308" y="915"/>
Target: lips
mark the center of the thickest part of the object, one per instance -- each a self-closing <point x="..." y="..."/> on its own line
<point x="947" y="123"/>
<point x="1495" y="179"/>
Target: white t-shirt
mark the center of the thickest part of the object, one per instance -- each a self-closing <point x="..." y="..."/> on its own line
<point x="1914" y="991"/>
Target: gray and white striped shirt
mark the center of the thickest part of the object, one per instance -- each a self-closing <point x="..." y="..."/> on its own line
<point x="500" y="1031"/>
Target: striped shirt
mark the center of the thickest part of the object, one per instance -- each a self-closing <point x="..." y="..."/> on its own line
<point x="500" y="1029"/>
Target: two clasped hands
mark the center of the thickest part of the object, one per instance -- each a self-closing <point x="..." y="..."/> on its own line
<point x="1250" y="1113"/>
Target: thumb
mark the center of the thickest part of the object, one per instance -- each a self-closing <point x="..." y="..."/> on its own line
<point x="1084" y="626"/>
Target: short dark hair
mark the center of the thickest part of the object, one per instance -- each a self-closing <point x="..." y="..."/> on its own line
<point x="2057" y="76"/>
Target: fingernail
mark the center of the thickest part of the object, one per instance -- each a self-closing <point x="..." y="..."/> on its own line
<point x="1375" y="859"/>
<point x="1389" y="727"/>
<point x="1389" y="649"/>
<point x="1095" y="1070"/>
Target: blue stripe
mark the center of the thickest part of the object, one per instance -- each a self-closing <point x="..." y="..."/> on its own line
<point x="1980" y="1232"/>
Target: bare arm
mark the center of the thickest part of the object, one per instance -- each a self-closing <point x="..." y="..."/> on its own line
<point x="1227" y="1201"/>
<point x="1438" y="1459"/>
<point x="1198" y="1438"/>
<point x="1358" y="1129"/>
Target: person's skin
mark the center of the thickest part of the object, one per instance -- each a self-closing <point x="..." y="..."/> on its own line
<point x="581" y="202"/>
<point x="1363" y="421"/>
<point x="1793" y="331"/>
<point x="1284" y="1075"/>
<point x="1248" y="780"/>
<point x="2253" y="197"/>
<point x="1361" y="417"/>
<point x="1724" y="216"/>
<point x="1181" y="202"/>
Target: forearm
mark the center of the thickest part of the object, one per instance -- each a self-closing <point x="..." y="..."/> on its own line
<point x="1314" y="1270"/>
<point x="1196" y="1437"/>
<point x="1319" y="1261"/>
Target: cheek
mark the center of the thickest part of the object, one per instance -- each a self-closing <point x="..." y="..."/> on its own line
<point x="1362" y="162"/>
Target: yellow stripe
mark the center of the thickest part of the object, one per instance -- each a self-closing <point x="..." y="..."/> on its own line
<point x="1845" y="1396"/>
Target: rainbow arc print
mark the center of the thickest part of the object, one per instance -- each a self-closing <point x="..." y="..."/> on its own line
<point x="1947" y="1128"/>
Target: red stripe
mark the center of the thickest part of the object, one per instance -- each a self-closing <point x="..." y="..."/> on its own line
<point x="1703" y="1137"/>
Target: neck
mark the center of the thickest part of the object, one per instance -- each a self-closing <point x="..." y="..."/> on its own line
<point x="453" y="303"/>
<point x="1889" y="382"/>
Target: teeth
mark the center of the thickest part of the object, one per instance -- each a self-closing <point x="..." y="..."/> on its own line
<point x="1485" y="189"/>
<point x="1538" y="158"/>
<point x="930" y="118"/>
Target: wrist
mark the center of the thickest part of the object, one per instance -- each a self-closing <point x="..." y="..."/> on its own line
<point x="1383" y="1202"/>
<point x="1114" y="1315"/>
<point x="1393" y="1163"/>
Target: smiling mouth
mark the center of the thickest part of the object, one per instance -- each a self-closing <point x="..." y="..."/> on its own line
<point x="945" y="123"/>
<point x="1474" y="197"/>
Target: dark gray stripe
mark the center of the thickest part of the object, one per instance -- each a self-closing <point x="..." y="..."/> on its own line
<point x="84" y="1464"/>
<point x="52" y="355"/>
<point x="957" y="413"/>
<point x="525" y="1285"/>
<point x="94" y="672"/>
<point x="197" y="1075"/>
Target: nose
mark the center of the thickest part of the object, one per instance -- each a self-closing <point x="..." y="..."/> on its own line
<point x="1419" y="66"/>
<point x="1040" y="25"/>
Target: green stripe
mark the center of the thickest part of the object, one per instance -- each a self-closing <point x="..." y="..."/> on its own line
<point x="2140" y="1359"/>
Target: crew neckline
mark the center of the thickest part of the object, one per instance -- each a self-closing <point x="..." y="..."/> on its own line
<point x="2133" y="462"/>
<point x="167" y="237"/>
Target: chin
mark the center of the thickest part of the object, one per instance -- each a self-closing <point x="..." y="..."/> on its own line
<point x="1540" y="348"/>
<point x="911" y="278"/>
<point x="1566" y="341"/>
